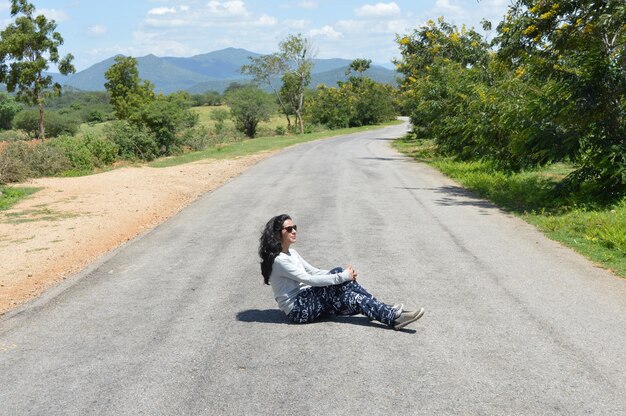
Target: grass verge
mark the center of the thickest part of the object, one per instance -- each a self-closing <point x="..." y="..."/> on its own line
<point x="595" y="230"/>
<point x="10" y="196"/>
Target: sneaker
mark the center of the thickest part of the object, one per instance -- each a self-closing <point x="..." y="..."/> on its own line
<point x="406" y="318"/>
<point x="398" y="307"/>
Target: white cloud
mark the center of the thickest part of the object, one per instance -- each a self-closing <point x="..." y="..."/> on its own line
<point x="266" y="20"/>
<point x="379" y="10"/>
<point x="158" y="45"/>
<point x="161" y="11"/>
<point x="447" y="6"/>
<point x="326" y="31"/>
<point x="228" y="8"/>
<point x="307" y="4"/>
<point x="96" y="30"/>
<point x="56" y="15"/>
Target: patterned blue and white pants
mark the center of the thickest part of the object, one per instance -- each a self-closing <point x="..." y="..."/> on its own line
<point x="349" y="298"/>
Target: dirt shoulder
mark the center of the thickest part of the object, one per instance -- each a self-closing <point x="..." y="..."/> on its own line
<point x="72" y="221"/>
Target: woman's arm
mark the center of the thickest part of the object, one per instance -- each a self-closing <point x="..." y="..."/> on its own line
<point x="286" y="268"/>
<point x="309" y="269"/>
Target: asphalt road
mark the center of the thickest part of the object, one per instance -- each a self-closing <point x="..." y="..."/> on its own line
<point x="178" y="322"/>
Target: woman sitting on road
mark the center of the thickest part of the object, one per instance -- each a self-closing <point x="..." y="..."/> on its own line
<point x="306" y="293"/>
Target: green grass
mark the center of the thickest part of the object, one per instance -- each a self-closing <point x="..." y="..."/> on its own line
<point x="41" y="213"/>
<point x="10" y="196"/>
<point x="594" y="229"/>
<point x="205" y="119"/>
<point x="96" y="129"/>
<point x="259" y="144"/>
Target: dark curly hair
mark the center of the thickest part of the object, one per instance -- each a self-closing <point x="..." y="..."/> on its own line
<point x="270" y="244"/>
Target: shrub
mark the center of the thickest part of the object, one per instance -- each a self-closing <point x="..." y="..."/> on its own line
<point x="249" y="105"/>
<point x="133" y="142"/>
<point x="212" y="98"/>
<point x="8" y="109"/>
<point x="14" y="165"/>
<point x="103" y="149"/>
<point x="280" y="131"/>
<point x="48" y="160"/>
<point x="95" y="116"/>
<point x="165" y="117"/>
<point x="13" y="136"/>
<point x="333" y="107"/>
<point x="197" y="138"/>
<point x="77" y="152"/>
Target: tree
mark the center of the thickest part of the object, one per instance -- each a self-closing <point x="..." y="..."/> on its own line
<point x="249" y="105"/>
<point x="128" y="92"/>
<point x="8" y="109"/>
<point x="437" y="62"/>
<point x="297" y="52"/>
<point x="27" y="46"/>
<point x="581" y="47"/>
<point x="165" y="116"/>
<point x="360" y="101"/>
<point x="56" y="124"/>
<point x="267" y="69"/>
<point x="359" y="65"/>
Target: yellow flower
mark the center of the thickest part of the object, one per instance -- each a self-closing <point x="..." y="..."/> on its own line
<point x="530" y="30"/>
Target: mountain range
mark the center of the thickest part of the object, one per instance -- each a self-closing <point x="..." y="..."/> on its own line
<point x="212" y="71"/>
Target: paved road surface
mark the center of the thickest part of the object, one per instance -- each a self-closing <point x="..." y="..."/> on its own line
<point x="178" y="321"/>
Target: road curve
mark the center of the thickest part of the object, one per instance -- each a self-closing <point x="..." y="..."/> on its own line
<point x="178" y="322"/>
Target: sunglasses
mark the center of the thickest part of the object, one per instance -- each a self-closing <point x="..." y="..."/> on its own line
<point x="291" y="228"/>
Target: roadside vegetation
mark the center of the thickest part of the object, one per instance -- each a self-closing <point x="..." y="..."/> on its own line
<point x="84" y="132"/>
<point x="531" y="116"/>
<point x="533" y="120"/>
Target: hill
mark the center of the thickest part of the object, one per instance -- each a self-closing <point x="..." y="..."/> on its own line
<point x="209" y="71"/>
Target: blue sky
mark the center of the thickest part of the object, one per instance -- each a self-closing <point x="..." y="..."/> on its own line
<point x="95" y="30"/>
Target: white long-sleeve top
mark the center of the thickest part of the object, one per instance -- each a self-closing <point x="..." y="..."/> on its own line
<point x="291" y="274"/>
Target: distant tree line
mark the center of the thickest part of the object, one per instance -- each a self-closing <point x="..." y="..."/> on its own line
<point x="138" y="124"/>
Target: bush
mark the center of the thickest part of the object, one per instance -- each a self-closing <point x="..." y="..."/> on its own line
<point x="212" y="98"/>
<point x="95" y="116"/>
<point x="133" y="142"/>
<point x="103" y="149"/>
<point x="55" y="124"/>
<point x="77" y="152"/>
<point x="13" y="136"/>
<point x="14" y="166"/>
<point x="358" y="102"/>
<point x="48" y="160"/>
<point x="249" y="105"/>
<point x="165" y="117"/>
<point x="197" y="138"/>
<point x="8" y="109"/>
<point x="332" y="107"/>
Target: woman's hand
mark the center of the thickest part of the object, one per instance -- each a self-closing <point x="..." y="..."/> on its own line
<point x="353" y="274"/>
